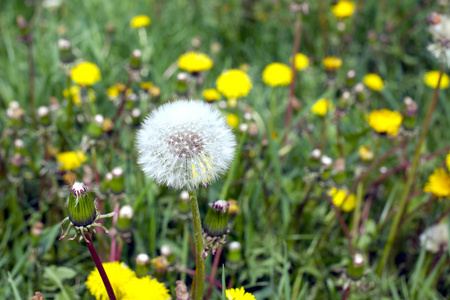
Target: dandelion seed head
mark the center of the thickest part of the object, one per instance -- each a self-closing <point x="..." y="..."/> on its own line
<point x="184" y="144"/>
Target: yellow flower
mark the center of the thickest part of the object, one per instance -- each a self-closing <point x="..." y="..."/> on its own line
<point x="195" y="62"/>
<point x="234" y="207"/>
<point x="114" y="91"/>
<point x="447" y="161"/>
<point x="342" y="200"/>
<point x="71" y="160"/>
<point x="343" y="9"/>
<point x="233" y="121"/>
<point x="119" y="276"/>
<point x="301" y="61"/>
<point x="332" y="63"/>
<point x="438" y="183"/>
<point x="365" y="153"/>
<point x="145" y="85"/>
<point x="75" y="94"/>
<point x="86" y="74"/>
<point x="234" y="83"/>
<point x="277" y="74"/>
<point x="211" y="95"/>
<point x="140" y="21"/>
<point x="373" y="82"/>
<point x="431" y="79"/>
<point x="238" y="294"/>
<point x="145" y="288"/>
<point x="385" y="121"/>
<point x="321" y="107"/>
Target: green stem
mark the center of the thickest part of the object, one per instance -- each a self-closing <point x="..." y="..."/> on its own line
<point x="197" y="289"/>
<point x="357" y="211"/>
<point x="273" y="110"/>
<point x="69" y="106"/>
<point x="411" y="174"/>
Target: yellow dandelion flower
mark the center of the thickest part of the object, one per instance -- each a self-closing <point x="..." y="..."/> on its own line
<point x="119" y="276"/>
<point x="438" y="183"/>
<point x="112" y="92"/>
<point x="244" y="67"/>
<point x="211" y="95"/>
<point x="343" y="9"/>
<point x="234" y="207"/>
<point x="86" y="74"/>
<point x="365" y="153"/>
<point x="233" y="121"/>
<point x="140" y="21"/>
<point x="71" y="160"/>
<point x="75" y="94"/>
<point x="277" y="74"/>
<point x="301" y="61"/>
<point x="145" y="85"/>
<point x="145" y="288"/>
<point x="447" y="161"/>
<point x="341" y="200"/>
<point x="238" y="294"/>
<point x="332" y="63"/>
<point x="321" y="107"/>
<point x="385" y="121"/>
<point x="373" y="82"/>
<point x="431" y="79"/>
<point x="234" y="83"/>
<point x="195" y="62"/>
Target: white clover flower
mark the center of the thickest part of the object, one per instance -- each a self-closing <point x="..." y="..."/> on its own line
<point x="184" y="144"/>
<point x="440" y="33"/>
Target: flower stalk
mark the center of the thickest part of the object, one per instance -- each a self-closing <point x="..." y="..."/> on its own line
<point x="197" y="289"/>
<point x="411" y="174"/>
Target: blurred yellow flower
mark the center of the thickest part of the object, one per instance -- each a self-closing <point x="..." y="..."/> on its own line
<point x="86" y="74"/>
<point x="211" y="95"/>
<point x="238" y="294"/>
<point x="244" y="67"/>
<point x="195" y="62"/>
<point x="447" y="161"/>
<point x="365" y="153"/>
<point x="385" y="121"/>
<point x="145" y="85"/>
<point x="321" y="107"/>
<point x="373" y="82"/>
<point x="301" y="61"/>
<point x="114" y="91"/>
<point x="431" y="79"/>
<point x="233" y="121"/>
<point x="277" y="74"/>
<point x="71" y="160"/>
<point x="332" y="63"/>
<point x="438" y="183"/>
<point x="75" y="94"/>
<point x="234" y="207"/>
<point x="234" y="83"/>
<point x="145" y="288"/>
<point x="119" y="276"/>
<point x="140" y="21"/>
<point x="343" y="9"/>
<point x="342" y="200"/>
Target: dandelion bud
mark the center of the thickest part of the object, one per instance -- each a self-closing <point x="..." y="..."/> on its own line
<point x="326" y="166"/>
<point x="196" y="41"/>
<point x="183" y="205"/>
<point x="117" y="183"/>
<point x="136" y="59"/>
<point x="234" y="252"/>
<point x="355" y="269"/>
<point x="350" y="78"/>
<point x="314" y="160"/>
<point x="167" y="252"/>
<point x="124" y="220"/>
<point x="243" y="127"/>
<point x="43" y="114"/>
<point x="65" y="51"/>
<point x="360" y="92"/>
<point x="343" y="102"/>
<point x="81" y="208"/>
<point x="434" y="18"/>
<point x="15" y="114"/>
<point x="19" y="147"/>
<point x="365" y="153"/>
<point x="95" y="127"/>
<point x="22" y="24"/>
<point x="339" y="174"/>
<point x="232" y="102"/>
<point x="253" y="129"/>
<point x="142" y="265"/>
<point x="155" y="92"/>
<point x="36" y="232"/>
<point x="104" y="186"/>
<point x="410" y="112"/>
<point x="234" y="207"/>
<point x="215" y="47"/>
<point x="37" y="296"/>
<point x="110" y="28"/>
<point x="222" y="104"/>
<point x="182" y="86"/>
<point x="136" y="116"/>
<point x="131" y="101"/>
<point x="161" y="264"/>
<point x="16" y="164"/>
<point x="215" y="226"/>
<point x="181" y="290"/>
<point x="108" y="126"/>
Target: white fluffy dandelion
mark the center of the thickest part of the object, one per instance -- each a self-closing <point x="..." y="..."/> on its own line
<point x="184" y="144"/>
<point x="440" y="33"/>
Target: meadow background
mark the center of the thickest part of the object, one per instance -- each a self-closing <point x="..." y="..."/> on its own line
<point x="293" y="244"/>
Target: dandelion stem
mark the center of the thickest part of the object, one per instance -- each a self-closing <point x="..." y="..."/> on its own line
<point x="411" y="174"/>
<point x="197" y="289"/>
<point x="100" y="268"/>
<point x="69" y="106"/>
<point x="342" y="223"/>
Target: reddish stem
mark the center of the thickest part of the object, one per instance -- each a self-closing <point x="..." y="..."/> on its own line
<point x="101" y="270"/>
<point x="215" y="282"/>
<point x="342" y="223"/>
<point x="213" y="271"/>
<point x="113" y="253"/>
<point x="122" y="100"/>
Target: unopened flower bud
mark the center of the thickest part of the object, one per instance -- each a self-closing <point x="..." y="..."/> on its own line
<point x="22" y="24"/>
<point x="360" y="92"/>
<point x="124" y="220"/>
<point x="65" y="51"/>
<point x="117" y="183"/>
<point x="108" y="126"/>
<point x="131" y="101"/>
<point x="16" y="164"/>
<point x="339" y="174"/>
<point x="81" y="208"/>
<point x="350" y="78"/>
<point x="234" y="207"/>
<point x="167" y="252"/>
<point x="365" y="153"/>
<point x="136" y="114"/>
<point x="355" y="269"/>
<point x="243" y="127"/>
<point x="36" y="232"/>
<point x="232" y="102"/>
<point x="182" y="86"/>
<point x="409" y="118"/>
<point x="183" y="204"/>
<point x="155" y="92"/>
<point x="434" y="18"/>
<point x="43" y="114"/>
<point x="314" y="160"/>
<point x="142" y="265"/>
<point x="37" y="296"/>
<point x="216" y="220"/>
<point x="19" y="147"/>
<point x="234" y="252"/>
<point x="181" y="290"/>
<point x="136" y="59"/>
<point x="161" y="264"/>
<point x="95" y="127"/>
